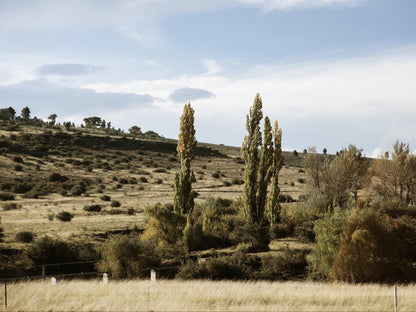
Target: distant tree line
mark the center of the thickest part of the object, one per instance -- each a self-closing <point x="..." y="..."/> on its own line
<point x="8" y="115"/>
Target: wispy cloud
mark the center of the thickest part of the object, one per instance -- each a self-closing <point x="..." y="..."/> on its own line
<point x="269" y="5"/>
<point x="67" y="69"/>
<point x="189" y="94"/>
<point x="211" y="66"/>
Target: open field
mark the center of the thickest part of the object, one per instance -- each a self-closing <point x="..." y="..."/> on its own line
<point x="141" y="295"/>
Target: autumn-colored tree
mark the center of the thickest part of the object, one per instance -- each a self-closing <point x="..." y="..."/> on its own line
<point x="393" y="181"/>
<point x="184" y="196"/>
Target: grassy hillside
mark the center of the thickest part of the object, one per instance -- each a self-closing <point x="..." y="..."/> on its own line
<point x="49" y="171"/>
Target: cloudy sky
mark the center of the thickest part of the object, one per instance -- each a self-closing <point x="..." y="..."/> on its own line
<point x="332" y="72"/>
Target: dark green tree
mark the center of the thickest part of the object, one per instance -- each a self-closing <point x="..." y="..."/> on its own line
<point x="250" y="154"/>
<point x="26" y="113"/>
<point x="52" y="119"/>
<point x="184" y="196"/>
<point x="135" y="130"/>
<point x="273" y="206"/>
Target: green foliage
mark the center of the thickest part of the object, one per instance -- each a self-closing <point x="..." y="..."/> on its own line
<point x="115" y="203"/>
<point x="26" y="113"/>
<point x="4" y="196"/>
<point x="126" y="256"/>
<point x="261" y="167"/>
<point x="48" y="250"/>
<point x="164" y="226"/>
<point x="290" y="265"/>
<point x="64" y="216"/>
<point x="93" y="208"/>
<point x="256" y="236"/>
<point x="328" y="235"/>
<point x="105" y="198"/>
<point x="370" y="252"/>
<point x="57" y="177"/>
<point x="222" y="268"/>
<point x="192" y="236"/>
<point x="25" y="236"/>
<point x="184" y="196"/>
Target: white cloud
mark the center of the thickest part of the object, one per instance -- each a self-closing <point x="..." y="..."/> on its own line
<point x="372" y="88"/>
<point x="378" y="152"/>
<point x="211" y="66"/>
<point x="269" y="5"/>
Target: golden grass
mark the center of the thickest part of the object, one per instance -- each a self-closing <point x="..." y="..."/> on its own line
<point x="140" y="295"/>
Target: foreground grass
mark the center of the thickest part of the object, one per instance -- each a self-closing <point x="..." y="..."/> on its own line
<point x="142" y="295"/>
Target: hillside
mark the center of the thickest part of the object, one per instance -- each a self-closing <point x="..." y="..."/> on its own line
<point x="47" y="171"/>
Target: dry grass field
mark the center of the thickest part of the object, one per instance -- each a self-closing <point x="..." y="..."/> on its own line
<point x="141" y="295"/>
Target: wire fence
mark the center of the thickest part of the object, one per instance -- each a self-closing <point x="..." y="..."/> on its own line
<point x="64" y="270"/>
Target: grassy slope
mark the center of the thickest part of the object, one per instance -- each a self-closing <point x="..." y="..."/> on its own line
<point x="98" y="159"/>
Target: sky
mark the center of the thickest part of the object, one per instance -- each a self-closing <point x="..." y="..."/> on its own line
<point x="331" y="72"/>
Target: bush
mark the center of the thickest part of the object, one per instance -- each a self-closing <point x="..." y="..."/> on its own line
<point x="115" y="203"/>
<point x="64" y="216"/>
<point x="281" y="230"/>
<point x="78" y="189"/>
<point x="126" y="256"/>
<point x="57" y="177"/>
<point x="10" y="206"/>
<point x="48" y="250"/>
<point x="143" y="180"/>
<point x="93" y="208"/>
<point x="18" y="159"/>
<point x="158" y="181"/>
<point x="222" y="268"/>
<point x="22" y="187"/>
<point x="291" y="265"/>
<point x="370" y="253"/>
<point x="105" y="198"/>
<point x="215" y="175"/>
<point x="227" y="183"/>
<point x="328" y="234"/>
<point x="18" y="168"/>
<point x="4" y="196"/>
<point x="25" y="237"/>
<point x="257" y="236"/>
<point x="236" y="181"/>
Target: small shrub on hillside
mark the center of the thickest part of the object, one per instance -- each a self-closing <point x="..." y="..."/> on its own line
<point x="215" y="175"/>
<point x="115" y="203"/>
<point x="301" y="181"/>
<point x="160" y="170"/>
<point x="237" y="181"/>
<point x="124" y="181"/>
<point x="304" y="231"/>
<point x="10" y="206"/>
<point x="22" y="187"/>
<point x="93" y="208"/>
<point x="143" y="180"/>
<point x="256" y="235"/>
<point x="158" y="181"/>
<point x="18" y="159"/>
<point x="6" y="196"/>
<point x="25" y="237"/>
<point x="64" y="216"/>
<point x="226" y="183"/>
<point x="57" y="177"/>
<point x="78" y="189"/>
<point x="105" y="198"/>
<point x="292" y="183"/>
<point x="18" y="168"/>
<point x="133" y="181"/>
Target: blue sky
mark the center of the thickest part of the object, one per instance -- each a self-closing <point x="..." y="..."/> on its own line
<point x="332" y="72"/>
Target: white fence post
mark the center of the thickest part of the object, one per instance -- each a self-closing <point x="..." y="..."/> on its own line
<point x="153" y="276"/>
<point x="53" y="281"/>
<point x="395" y="298"/>
<point x="105" y="278"/>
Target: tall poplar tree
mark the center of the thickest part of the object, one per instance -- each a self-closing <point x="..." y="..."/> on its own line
<point x="273" y="205"/>
<point x="184" y="196"/>
<point x="263" y="159"/>
<point x="250" y="154"/>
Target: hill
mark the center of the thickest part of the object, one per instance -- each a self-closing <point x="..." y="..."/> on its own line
<point x="47" y="171"/>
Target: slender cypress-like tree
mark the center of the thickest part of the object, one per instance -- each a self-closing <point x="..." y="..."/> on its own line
<point x="266" y="162"/>
<point x="184" y="196"/>
<point x="250" y="154"/>
<point x="273" y="205"/>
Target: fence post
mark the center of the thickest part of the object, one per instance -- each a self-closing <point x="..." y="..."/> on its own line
<point x="395" y="298"/>
<point x="53" y="281"/>
<point x="105" y="279"/>
<point x="153" y="276"/>
<point x="5" y="295"/>
<point x="43" y="272"/>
